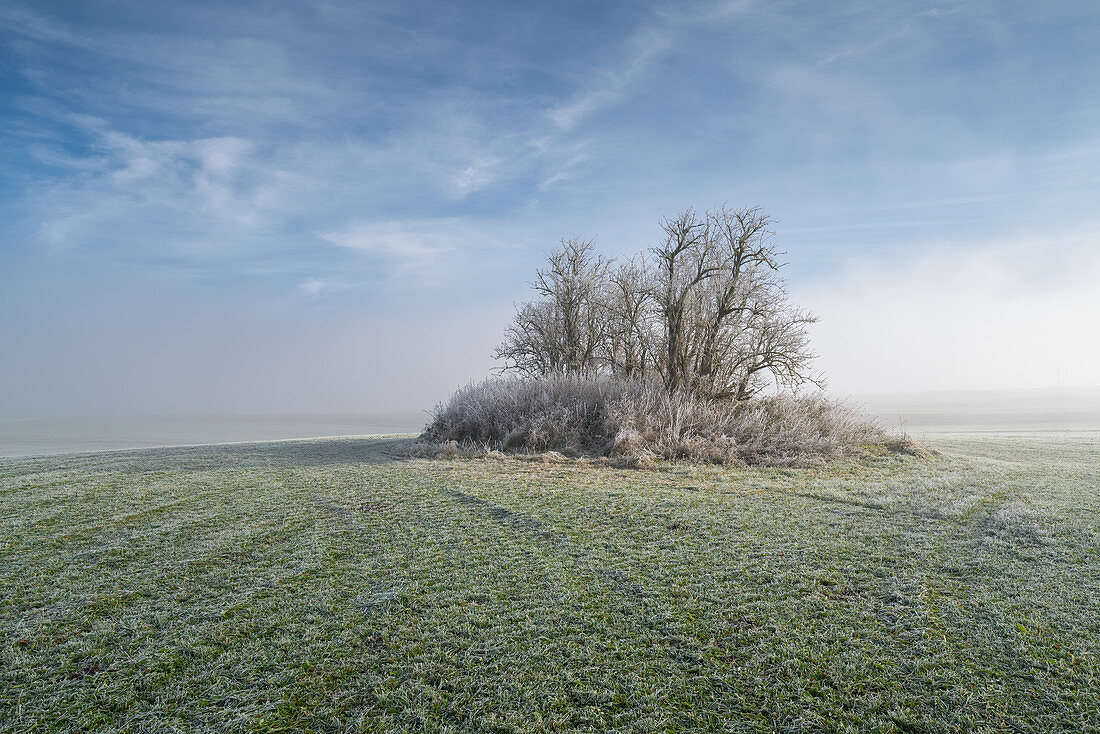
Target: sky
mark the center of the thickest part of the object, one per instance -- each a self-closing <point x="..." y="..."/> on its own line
<point x="212" y="207"/>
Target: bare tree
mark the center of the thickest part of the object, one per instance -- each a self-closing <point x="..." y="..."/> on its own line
<point x="744" y="301"/>
<point x="685" y="259"/>
<point x="565" y="330"/>
<point x="533" y="342"/>
<point x="629" y="301"/>
<point x="708" y="313"/>
<point x="779" y="351"/>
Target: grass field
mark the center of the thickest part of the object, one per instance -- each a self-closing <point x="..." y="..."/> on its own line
<point x="335" y="585"/>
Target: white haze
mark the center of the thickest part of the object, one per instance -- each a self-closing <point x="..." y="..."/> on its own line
<point x="1000" y="317"/>
<point x="1003" y="317"/>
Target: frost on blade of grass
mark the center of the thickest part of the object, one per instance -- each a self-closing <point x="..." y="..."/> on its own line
<point x="1013" y="513"/>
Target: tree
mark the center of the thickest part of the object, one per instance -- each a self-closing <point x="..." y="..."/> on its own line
<point x="628" y="300"/>
<point x="565" y="331"/>
<point x="707" y="313"/>
<point x="684" y="260"/>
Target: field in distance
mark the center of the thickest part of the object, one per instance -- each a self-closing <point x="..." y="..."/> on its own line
<point x="1036" y="410"/>
<point x="339" y="585"/>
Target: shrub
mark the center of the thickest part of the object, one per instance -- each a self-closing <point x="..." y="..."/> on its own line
<point x="532" y="414"/>
<point x="636" y="420"/>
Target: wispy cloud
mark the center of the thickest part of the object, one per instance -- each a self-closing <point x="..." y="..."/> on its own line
<point x="403" y="240"/>
<point x="434" y="245"/>
<point x="313" y="286"/>
<point x="610" y="84"/>
<point x="222" y="145"/>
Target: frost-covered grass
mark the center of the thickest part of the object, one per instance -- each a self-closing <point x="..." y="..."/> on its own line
<point x="340" y="585"/>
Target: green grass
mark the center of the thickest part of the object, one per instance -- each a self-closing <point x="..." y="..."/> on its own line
<point x="334" y="585"/>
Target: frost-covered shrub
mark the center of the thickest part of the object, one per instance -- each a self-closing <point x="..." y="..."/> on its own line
<point x="634" y="418"/>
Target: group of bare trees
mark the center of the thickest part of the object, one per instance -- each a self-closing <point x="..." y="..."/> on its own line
<point x="706" y="310"/>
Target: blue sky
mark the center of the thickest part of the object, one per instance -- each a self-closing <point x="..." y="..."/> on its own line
<point x="331" y="206"/>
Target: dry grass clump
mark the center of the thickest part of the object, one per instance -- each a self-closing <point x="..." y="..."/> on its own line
<point x="562" y="413"/>
<point x="638" y="421"/>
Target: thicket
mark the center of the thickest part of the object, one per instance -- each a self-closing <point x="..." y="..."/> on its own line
<point x="669" y="354"/>
<point x="635" y="420"/>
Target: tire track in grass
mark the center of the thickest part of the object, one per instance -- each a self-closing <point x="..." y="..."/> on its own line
<point x="979" y="539"/>
<point x="635" y="628"/>
<point x="646" y="607"/>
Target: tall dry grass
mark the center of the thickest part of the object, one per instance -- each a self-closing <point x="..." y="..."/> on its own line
<point x="634" y="420"/>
